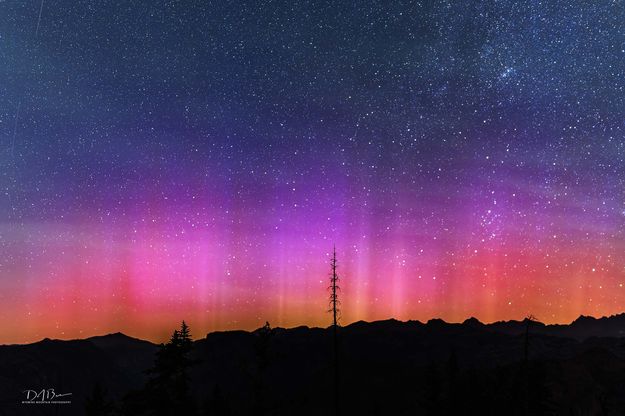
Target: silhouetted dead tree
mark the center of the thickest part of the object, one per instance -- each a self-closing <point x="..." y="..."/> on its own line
<point x="261" y="346"/>
<point x="335" y="311"/>
<point x="528" y="321"/>
<point x="525" y="366"/>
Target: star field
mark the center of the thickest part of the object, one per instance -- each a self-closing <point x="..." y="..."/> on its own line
<point x="197" y="160"/>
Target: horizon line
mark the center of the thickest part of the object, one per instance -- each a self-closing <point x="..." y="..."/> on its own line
<point x="318" y="327"/>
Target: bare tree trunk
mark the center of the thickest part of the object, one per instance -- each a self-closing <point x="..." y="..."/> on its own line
<point x="334" y="308"/>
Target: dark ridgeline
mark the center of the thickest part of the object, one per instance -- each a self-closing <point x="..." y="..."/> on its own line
<point x="335" y="311"/>
<point x="412" y="368"/>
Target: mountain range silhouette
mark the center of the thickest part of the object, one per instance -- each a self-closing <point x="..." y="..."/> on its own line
<point x="388" y="367"/>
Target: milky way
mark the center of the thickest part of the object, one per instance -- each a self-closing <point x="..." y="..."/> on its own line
<point x="197" y="160"/>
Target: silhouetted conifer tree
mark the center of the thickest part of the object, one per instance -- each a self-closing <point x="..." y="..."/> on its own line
<point x="525" y="370"/>
<point x="335" y="311"/>
<point x="528" y="322"/>
<point x="185" y="338"/>
<point x="432" y="392"/>
<point x="166" y="392"/>
<point x="97" y="404"/>
<point x="217" y="405"/>
<point x="453" y="390"/>
<point x="539" y="397"/>
<point x="530" y="389"/>
<point x="261" y="347"/>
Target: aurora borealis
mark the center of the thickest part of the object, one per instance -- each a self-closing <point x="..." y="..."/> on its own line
<point x="197" y="160"/>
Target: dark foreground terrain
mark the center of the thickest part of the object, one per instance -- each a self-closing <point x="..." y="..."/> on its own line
<point x="386" y="368"/>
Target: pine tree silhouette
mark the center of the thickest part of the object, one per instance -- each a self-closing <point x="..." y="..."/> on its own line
<point x="97" y="404"/>
<point x="261" y="347"/>
<point x="335" y="310"/>
<point x="453" y="387"/>
<point x="528" y="321"/>
<point x="217" y="405"/>
<point x="525" y="365"/>
<point x="167" y="391"/>
<point x="531" y="381"/>
<point x="432" y="392"/>
<point x="185" y="338"/>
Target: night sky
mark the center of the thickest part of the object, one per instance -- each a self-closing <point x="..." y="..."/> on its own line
<point x="197" y="160"/>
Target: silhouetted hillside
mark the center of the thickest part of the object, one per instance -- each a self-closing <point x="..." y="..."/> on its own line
<point x="387" y="368"/>
<point x="69" y="367"/>
<point x="582" y="328"/>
